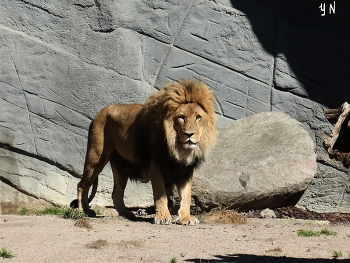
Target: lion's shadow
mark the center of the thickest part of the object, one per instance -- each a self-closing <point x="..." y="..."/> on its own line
<point x="248" y="258"/>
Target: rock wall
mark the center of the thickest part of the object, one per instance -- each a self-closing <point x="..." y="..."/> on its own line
<point x="62" y="61"/>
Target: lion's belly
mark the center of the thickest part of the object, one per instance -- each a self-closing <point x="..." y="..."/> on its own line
<point x="134" y="170"/>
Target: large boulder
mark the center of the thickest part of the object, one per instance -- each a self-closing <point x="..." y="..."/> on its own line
<point x="265" y="160"/>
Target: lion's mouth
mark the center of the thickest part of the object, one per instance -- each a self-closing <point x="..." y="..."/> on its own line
<point x="190" y="144"/>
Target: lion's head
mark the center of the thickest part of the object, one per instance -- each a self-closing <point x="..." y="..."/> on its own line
<point x="189" y="119"/>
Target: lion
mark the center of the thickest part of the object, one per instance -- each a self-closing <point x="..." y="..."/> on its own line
<point x="163" y="141"/>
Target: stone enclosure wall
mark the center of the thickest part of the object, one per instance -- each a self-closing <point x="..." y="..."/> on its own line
<point x="62" y="61"/>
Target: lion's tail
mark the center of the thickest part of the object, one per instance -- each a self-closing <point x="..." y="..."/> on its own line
<point x="74" y="203"/>
<point x="93" y="190"/>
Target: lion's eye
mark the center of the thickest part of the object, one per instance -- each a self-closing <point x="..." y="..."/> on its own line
<point x="182" y="117"/>
<point x="198" y="117"/>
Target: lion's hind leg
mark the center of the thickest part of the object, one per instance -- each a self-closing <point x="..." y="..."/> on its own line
<point x="91" y="171"/>
<point x="120" y="181"/>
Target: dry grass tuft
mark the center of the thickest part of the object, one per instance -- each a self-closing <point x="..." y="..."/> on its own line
<point x="225" y="217"/>
<point x="131" y="243"/>
<point x="84" y="223"/>
<point x="98" y="244"/>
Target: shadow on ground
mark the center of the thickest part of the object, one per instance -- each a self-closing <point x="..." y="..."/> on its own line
<point x="246" y="258"/>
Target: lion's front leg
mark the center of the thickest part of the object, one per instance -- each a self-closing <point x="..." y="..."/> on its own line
<point x="184" y="191"/>
<point x="162" y="214"/>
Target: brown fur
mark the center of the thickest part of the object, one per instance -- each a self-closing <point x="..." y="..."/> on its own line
<point x="163" y="140"/>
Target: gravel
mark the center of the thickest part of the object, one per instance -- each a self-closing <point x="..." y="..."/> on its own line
<point x="299" y="213"/>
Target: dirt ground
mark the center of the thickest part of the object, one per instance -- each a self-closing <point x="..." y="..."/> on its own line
<point x="113" y="239"/>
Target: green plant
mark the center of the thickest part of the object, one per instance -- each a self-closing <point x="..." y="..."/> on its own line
<point x="23" y="211"/>
<point x="4" y="253"/>
<point x="173" y="260"/>
<point x="51" y="210"/>
<point x="308" y="249"/>
<point x="307" y="233"/>
<point x="311" y="233"/>
<point x="65" y="212"/>
<point x="182" y="254"/>
<point x="71" y="213"/>
<point x="327" y="232"/>
<point x="337" y="254"/>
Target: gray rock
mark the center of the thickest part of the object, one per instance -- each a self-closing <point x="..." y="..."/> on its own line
<point x="236" y="95"/>
<point x="33" y="178"/>
<point x="265" y="160"/>
<point x="220" y="33"/>
<point x="328" y="191"/>
<point x="268" y="213"/>
<point x="28" y="182"/>
<point x="13" y="200"/>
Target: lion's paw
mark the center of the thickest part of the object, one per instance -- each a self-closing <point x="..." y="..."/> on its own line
<point x="162" y="218"/>
<point x="130" y="216"/>
<point x="126" y="214"/>
<point x="90" y="213"/>
<point x="189" y="221"/>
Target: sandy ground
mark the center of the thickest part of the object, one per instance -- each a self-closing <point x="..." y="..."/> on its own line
<point x="113" y="239"/>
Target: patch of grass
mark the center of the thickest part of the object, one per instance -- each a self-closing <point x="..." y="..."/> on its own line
<point x="83" y="223"/>
<point x="4" y="253"/>
<point x="327" y="232"/>
<point x="71" y="213"/>
<point x="50" y="210"/>
<point x="307" y="233"/>
<point x="312" y="233"/>
<point x="336" y="254"/>
<point x="173" y="260"/>
<point x="65" y="212"/>
<point x="98" y="244"/>
<point x="182" y="254"/>
<point x="23" y="212"/>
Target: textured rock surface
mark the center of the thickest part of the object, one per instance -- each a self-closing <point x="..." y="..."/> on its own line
<point x="265" y="160"/>
<point x="27" y="181"/>
<point x="62" y="61"/>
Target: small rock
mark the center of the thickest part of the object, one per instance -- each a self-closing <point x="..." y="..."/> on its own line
<point x="268" y="213"/>
<point x="110" y="212"/>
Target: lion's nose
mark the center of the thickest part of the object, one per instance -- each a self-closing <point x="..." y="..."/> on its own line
<point x="189" y="134"/>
